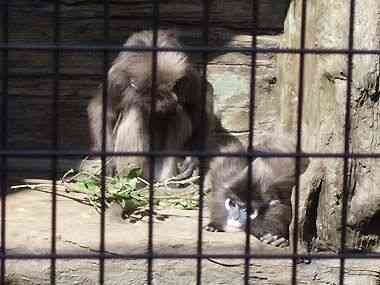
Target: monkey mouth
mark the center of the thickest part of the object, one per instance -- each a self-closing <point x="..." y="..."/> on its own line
<point x="237" y="215"/>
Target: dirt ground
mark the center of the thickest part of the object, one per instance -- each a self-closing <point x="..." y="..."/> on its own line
<point x="28" y="231"/>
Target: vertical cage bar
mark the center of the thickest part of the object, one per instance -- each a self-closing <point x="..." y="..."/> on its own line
<point x="55" y="136"/>
<point x="298" y="149"/>
<point x="155" y="27"/>
<point x="4" y="138"/>
<point x="105" y="101"/>
<point x="252" y="107"/>
<point x="204" y="121"/>
<point x="347" y="133"/>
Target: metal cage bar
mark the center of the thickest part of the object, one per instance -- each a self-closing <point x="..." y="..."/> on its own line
<point x="152" y="116"/>
<point x="105" y="101"/>
<point x="252" y="105"/>
<point x="205" y="41"/>
<point x="66" y="153"/>
<point x="4" y="140"/>
<point x="298" y="150"/>
<point x="55" y="138"/>
<point x="98" y="47"/>
<point x="95" y="256"/>
<point x="55" y="153"/>
<point x="347" y="133"/>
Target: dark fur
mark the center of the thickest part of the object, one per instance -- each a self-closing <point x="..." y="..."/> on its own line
<point x="272" y="219"/>
<point x="178" y="107"/>
<point x="272" y="181"/>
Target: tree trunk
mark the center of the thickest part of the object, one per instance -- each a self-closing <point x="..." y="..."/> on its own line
<point x="323" y="122"/>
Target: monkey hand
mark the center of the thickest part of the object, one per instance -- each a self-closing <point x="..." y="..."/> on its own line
<point x="187" y="168"/>
<point x="274" y="240"/>
<point x="211" y="227"/>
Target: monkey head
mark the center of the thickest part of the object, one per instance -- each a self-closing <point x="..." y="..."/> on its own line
<point x="168" y="99"/>
<point x="169" y="85"/>
<point x="238" y="190"/>
<point x="236" y="215"/>
<point x="269" y="223"/>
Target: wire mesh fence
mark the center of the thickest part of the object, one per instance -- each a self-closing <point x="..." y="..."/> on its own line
<point x="57" y="48"/>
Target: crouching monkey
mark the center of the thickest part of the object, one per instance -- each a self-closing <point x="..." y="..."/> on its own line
<point x="272" y="180"/>
<point x="177" y="115"/>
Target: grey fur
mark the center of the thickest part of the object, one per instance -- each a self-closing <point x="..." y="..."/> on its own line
<point x="178" y="107"/>
<point x="272" y="181"/>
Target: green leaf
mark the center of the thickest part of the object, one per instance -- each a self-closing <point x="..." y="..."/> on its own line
<point x="134" y="173"/>
<point x="131" y="205"/>
<point x="86" y="186"/>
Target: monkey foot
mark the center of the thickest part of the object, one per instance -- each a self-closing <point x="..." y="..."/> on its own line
<point x="187" y="168"/>
<point x="274" y="240"/>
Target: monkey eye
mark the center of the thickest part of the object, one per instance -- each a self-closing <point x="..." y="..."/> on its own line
<point x="229" y="204"/>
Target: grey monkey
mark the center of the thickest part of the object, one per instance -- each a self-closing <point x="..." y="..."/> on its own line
<point x="272" y="180"/>
<point x="177" y="112"/>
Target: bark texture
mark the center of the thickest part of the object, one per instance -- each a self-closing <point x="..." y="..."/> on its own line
<point x="323" y="118"/>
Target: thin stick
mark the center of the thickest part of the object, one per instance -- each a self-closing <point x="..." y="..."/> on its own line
<point x="67" y="173"/>
<point x="35" y="186"/>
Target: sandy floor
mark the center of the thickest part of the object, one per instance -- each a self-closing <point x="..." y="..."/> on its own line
<point x="28" y="231"/>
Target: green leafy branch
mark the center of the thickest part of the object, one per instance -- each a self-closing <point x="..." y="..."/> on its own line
<point x="131" y="192"/>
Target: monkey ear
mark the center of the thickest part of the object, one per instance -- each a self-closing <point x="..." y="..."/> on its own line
<point x="257" y="176"/>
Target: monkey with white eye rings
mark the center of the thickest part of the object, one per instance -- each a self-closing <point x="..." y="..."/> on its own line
<point x="177" y="115"/>
<point x="270" y="224"/>
<point x="272" y="180"/>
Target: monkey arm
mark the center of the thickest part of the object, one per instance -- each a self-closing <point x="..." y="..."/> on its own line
<point x="189" y="88"/>
<point x="95" y="110"/>
<point x="218" y="211"/>
<point x="201" y="116"/>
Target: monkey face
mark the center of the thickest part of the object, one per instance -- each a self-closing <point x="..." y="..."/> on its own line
<point x="169" y="99"/>
<point x="239" y="192"/>
<point x="166" y="102"/>
<point x="236" y="215"/>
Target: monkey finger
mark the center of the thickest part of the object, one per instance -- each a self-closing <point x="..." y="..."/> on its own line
<point x="189" y="162"/>
<point x="281" y="242"/>
<point x="187" y="168"/>
<point x="268" y="238"/>
<point x="183" y="175"/>
<point x="274" y="202"/>
<point x="182" y="165"/>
